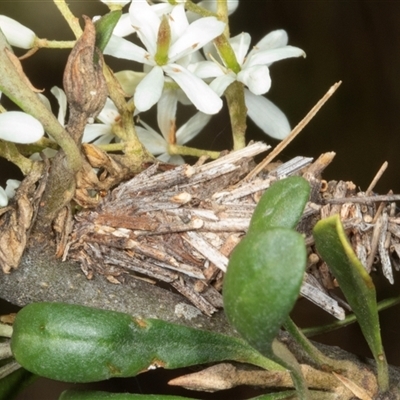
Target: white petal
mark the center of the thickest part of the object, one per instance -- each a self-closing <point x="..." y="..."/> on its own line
<point x="195" y="37"/>
<point x="178" y="22"/>
<point x="45" y="101"/>
<point x="232" y="6"/>
<point x="123" y="27"/>
<point x="48" y="153"/>
<point x="59" y="94"/>
<point x="166" y="112"/>
<point x="206" y="69"/>
<point x="199" y="93"/>
<point x="240" y="45"/>
<point x="19" y="127"/>
<point x="17" y="34"/>
<point x="105" y="139"/>
<point x="220" y="83"/>
<point x="129" y="80"/>
<point x="116" y="2"/>
<point x="270" y="56"/>
<point x="162" y="8"/>
<point x="267" y="116"/>
<point x="109" y="114"/>
<point x="11" y="186"/>
<point x="153" y="141"/>
<point x="122" y="48"/>
<point x="93" y="131"/>
<point x="177" y="160"/>
<point x="192" y="127"/>
<point x="272" y="40"/>
<point x="3" y="197"/>
<point x="149" y="90"/>
<point x="146" y="23"/>
<point x="256" y="78"/>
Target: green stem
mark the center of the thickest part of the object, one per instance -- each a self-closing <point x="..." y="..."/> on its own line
<point x="37" y="147"/>
<point x="350" y="319"/>
<point x="175" y="149"/>
<point x="190" y="6"/>
<point x="15" y="87"/>
<point x="234" y="95"/>
<point x="72" y="21"/>
<point x="317" y="356"/>
<point x="54" y="44"/>
<point x="10" y="152"/>
<point x="222" y="12"/>
<point x="382" y="372"/>
<point x="283" y="356"/>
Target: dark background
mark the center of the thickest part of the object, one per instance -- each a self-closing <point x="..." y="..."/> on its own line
<point x="357" y="42"/>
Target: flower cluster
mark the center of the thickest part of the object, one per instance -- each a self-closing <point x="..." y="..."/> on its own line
<point x="183" y="61"/>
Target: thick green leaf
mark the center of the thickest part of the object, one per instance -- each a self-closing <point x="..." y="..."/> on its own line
<point x="334" y="247"/>
<point x="96" y="395"/>
<point x="73" y="343"/>
<point x="104" y="28"/>
<point x="262" y="283"/>
<point x="282" y="205"/>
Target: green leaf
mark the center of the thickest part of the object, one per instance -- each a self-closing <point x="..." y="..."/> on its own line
<point x="282" y="205"/>
<point x="262" y="283"/>
<point x="73" y="343"/>
<point x="104" y="28"/>
<point x="334" y="247"/>
<point x="96" y="395"/>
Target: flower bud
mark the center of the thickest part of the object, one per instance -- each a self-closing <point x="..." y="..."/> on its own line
<point x="19" y="127"/>
<point x="84" y="83"/>
<point x="17" y="34"/>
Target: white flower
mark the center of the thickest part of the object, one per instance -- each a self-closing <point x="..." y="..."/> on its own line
<point x="96" y="132"/>
<point x="8" y="192"/>
<point x="254" y="74"/>
<point x="17" y="34"/>
<point x="19" y="127"/>
<point x="166" y="118"/>
<point x="168" y="42"/>
<point x="101" y="133"/>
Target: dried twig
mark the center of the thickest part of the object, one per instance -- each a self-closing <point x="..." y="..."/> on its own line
<point x="297" y="129"/>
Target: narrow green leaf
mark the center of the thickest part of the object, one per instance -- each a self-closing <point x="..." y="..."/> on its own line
<point x="334" y="247"/>
<point x="73" y="343"/>
<point x="97" y="395"/>
<point x="262" y="283"/>
<point x="104" y="28"/>
<point x="282" y="205"/>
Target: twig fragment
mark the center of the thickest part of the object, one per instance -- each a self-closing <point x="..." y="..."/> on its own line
<point x="297" y="129"/>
